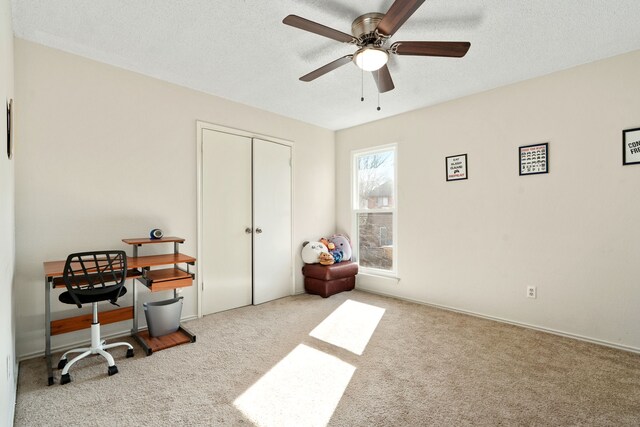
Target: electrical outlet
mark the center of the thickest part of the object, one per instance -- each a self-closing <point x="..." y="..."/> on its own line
<point x="531" y="292"/>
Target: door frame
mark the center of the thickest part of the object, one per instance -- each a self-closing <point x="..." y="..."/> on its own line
<point x="201" y="126"/>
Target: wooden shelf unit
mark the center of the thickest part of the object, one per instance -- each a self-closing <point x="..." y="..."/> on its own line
<point x="160" y="280"/>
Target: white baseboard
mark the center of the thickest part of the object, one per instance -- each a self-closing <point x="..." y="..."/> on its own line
<point x="510" y="322"/>
<point x="69" y="346"/>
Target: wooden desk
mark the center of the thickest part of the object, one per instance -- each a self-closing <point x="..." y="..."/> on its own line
<point x="56" y="268"/>
<point x="138" y="267"/>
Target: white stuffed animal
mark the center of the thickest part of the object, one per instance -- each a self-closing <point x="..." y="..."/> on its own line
<point x="311" y="252"/>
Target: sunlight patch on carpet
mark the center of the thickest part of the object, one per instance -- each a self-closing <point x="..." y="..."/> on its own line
<point x="303" y="389"/>
<point x="350" y="326"/>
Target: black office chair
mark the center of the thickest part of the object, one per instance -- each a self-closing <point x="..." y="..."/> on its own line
<point x="92" y="277"/>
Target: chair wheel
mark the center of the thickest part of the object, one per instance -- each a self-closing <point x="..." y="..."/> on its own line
<point x="112" y="370"/>
<point x="130" y="352"/>
<point x="66" y="378"/>
<point x="62" y="363"/>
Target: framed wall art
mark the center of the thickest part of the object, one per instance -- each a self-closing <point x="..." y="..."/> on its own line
<point x="456" y="167"/>
<point x="631" y="146"/>
<point x="9" y="129"/>
<point x="534" y="159"/>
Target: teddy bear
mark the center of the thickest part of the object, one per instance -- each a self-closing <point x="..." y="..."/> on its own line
<point x="326" y="259"/>
<point x="311" y="252"/>
<point x="342" y="244"/>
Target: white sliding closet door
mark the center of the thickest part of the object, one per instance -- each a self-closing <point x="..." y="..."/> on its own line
<point x="226" y="216"/>
<point x="272" y="268"/>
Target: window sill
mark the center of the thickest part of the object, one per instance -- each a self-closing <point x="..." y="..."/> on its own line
<point x="378" y="273"/>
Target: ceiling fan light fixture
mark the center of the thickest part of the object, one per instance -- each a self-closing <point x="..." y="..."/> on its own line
<point x="371" y="58"/>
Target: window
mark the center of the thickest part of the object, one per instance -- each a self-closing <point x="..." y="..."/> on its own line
<point x="374" y="208"/>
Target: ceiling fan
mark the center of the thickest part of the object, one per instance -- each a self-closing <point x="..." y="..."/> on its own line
<point x="370" y="33"/>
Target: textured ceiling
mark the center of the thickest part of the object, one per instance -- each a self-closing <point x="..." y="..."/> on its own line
<point x="240" y="50"/>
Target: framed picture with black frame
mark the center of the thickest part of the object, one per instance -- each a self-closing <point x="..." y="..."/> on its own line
<point x="10" y="129"/>
<point x="456" y="167"/>
<point x="631" y="147"/>
<point x="534" y="159"/>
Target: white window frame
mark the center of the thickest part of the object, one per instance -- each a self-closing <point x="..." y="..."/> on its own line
<point x="355" y="209"/>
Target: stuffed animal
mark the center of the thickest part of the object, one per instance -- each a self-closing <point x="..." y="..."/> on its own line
<point x="330" y="246"/>
<point x="326" y="259"/>
<point x="337" y="256"/>
<point x="311" y="252"/>
<point x="342" y="245"/>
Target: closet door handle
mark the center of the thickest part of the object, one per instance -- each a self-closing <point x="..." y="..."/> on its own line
<point x="258" y="230"/>
<point x="247" y="230"/>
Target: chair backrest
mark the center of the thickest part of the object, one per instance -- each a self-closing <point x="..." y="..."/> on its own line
<point x="95" y="273"/>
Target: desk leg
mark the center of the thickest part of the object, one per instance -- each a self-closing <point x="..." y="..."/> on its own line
<point x="47" y="328"/>
<point x="135" y="309"/>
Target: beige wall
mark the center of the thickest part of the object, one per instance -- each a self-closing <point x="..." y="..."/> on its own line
<point x="107" y="154"/>
<point x="475" y="245"/>
<point x="7" y="239"/>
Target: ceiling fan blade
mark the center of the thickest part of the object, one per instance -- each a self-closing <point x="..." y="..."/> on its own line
<point x="397" y="14"/>
<point x="326" y="68"/>
<point x="383" y="79"/>
<point x="450" y="49"/>
<point x="314" y="27"/>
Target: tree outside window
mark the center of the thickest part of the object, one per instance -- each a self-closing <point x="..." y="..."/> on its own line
<point x="374" y="208"/>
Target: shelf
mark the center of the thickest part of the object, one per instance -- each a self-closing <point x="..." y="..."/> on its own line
<point x="167" y="274"/>
<point x="151" y="344"/>
<point x="84" y="321"/>
<point x="148" y="241"/>
<point x="156" y="260"/>
<point x="166" y="279"/>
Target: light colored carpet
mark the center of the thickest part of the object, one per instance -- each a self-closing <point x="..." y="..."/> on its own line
<point x="422" y="366"/>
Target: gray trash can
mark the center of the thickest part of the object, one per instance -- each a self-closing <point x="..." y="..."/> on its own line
<point x="163" y="317"/>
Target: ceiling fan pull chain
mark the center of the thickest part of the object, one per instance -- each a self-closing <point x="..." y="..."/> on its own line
<point x="362" y="85"/>
<point x="378" y="71"/>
